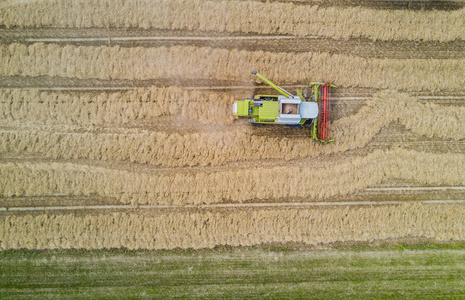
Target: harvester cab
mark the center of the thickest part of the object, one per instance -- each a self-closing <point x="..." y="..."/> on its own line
<point x="289" y="110"/>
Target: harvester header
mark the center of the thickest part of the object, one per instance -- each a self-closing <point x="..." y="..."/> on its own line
<point x="290" y="110"/>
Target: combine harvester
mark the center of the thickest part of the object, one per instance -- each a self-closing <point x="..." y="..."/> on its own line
<point x="289" y="110"/>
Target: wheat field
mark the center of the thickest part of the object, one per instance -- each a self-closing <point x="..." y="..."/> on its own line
<point x="116" y="128"/>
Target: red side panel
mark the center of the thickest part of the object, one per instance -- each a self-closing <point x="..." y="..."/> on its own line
<point x="323" y="114"/>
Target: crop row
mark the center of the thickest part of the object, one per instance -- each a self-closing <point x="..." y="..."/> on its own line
<point x="193" y="63"/>
<point x="205" y="229"/>
<point x="240" y="16"/>
<point x="304" y="179"/>
<point x="118" y="108"/>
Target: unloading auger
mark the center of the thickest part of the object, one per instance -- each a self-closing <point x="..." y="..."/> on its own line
<point x="286" y="109"/>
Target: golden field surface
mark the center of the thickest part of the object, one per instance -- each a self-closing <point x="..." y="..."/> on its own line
<point x="116" y="128"/>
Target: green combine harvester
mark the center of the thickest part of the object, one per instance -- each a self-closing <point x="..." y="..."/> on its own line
<point x="290" y="110"/>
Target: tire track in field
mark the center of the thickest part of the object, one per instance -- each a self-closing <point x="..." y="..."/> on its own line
<point x="387" y="193"/>
<point x="242" y="16"/>
<point x="126" y="208"/>
<point x="221" y="64"/>
<point x="207" y="229"/>
<point x="299" y="179"/>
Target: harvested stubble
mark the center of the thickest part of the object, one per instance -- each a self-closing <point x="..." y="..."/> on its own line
<point x="119" y="108"/>
<point x="194" y="229"/>
<point x="240" y="16"/>
<point x="302" y="179"/>
<point x="212" y="63"/>
<point x="197" y="148"/>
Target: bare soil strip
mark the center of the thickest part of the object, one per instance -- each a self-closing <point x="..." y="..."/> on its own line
<point x="200" y="229"/>
<point x="242" y="16"/>
<point x="203" y="63"/>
